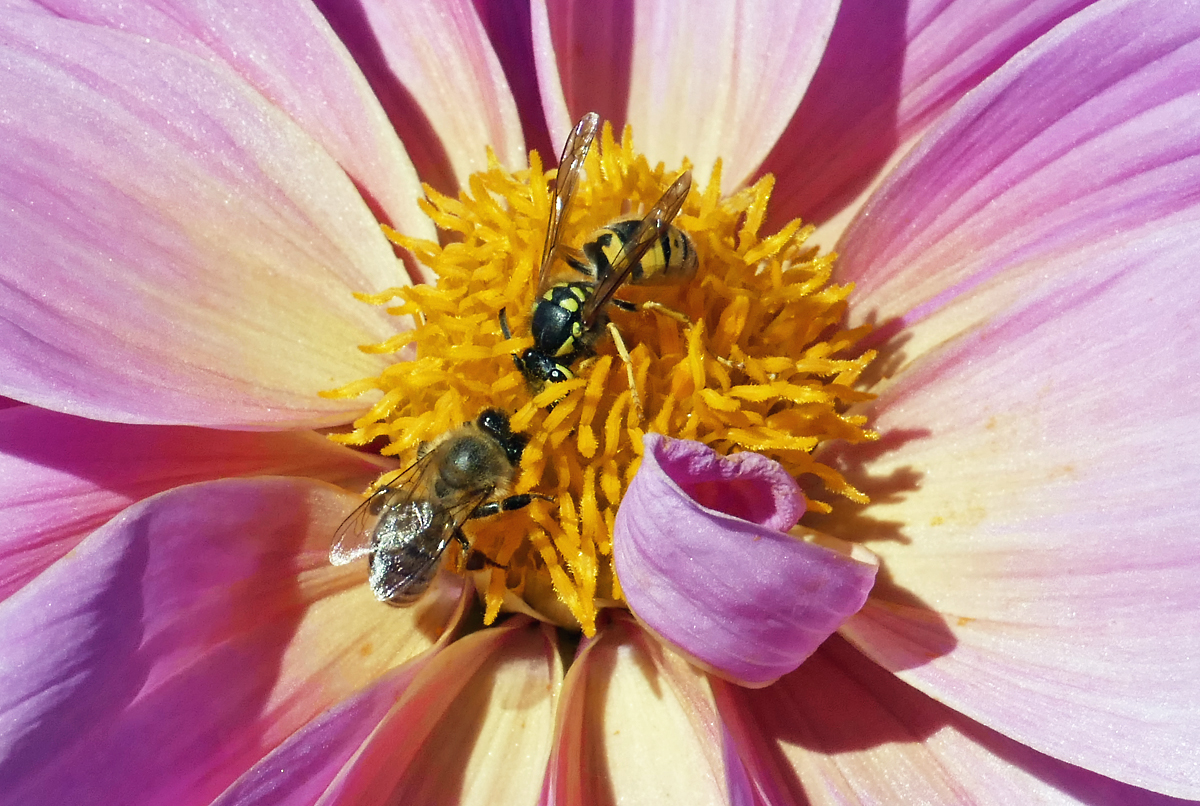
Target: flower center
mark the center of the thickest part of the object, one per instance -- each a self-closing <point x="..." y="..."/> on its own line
<point x="748" y="354"/>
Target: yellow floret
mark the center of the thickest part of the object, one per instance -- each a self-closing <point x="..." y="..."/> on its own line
<point x="764" y="364"/>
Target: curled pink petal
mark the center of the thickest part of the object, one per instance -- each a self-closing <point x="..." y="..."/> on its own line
<point x="176" y="250"/>
<point x="725" y="582"/>
<point x="160" y="659"/>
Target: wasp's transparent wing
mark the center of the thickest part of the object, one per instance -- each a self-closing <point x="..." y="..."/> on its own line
<point x="649" y="230"/>
<point x="570" y="165"/>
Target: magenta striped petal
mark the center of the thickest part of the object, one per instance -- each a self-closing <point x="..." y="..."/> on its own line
<point x="1051" y="155"/>
<point x="474" y="727"/>
<point x="435" y="71"/>
<point x="176" y="250"/>
<point x="703" y="559"/>
<point x="637" y="724"/>
<point x="1052" y="517"/>
<point x="842" y="730"/>
<point x="305" y="766"/>
<point x="186" y="638"/>
<point x="740" y="68"/>
<point x="889" y="70"/>
<point x="62" y="476"/>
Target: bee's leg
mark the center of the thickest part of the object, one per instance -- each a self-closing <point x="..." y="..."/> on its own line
<point x="466" y="561"/>
<point x="487" y="510"/>
<point x="462" y="541"/>
<point x="725" y="362"/>
<point x="507" y="504"/>
<point x="624" y="353"/>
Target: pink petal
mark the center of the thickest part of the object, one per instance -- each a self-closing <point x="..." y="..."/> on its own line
<point x="554" y="100"/>
<point x="1038" y="470"/>
<point x="510" y="30"/>
<point x="727" y="585"/>
<point x="1050" y="515"/>
<point x="301" y="67"/>
<point x="715" y="79"/>
<point x="61" y="476"/>
<point x="1052" y="154"/>
<point x="637" y="724"/>
<point x="452" y="100"/>
<point x="585" y="52"/>
<point x="740" y="69"/>
<point x="176" y="250"/>
<point x="299" y="771"/>
<point x="841" y="730"/>
<point x="474" y="727"/>
<point x="185" y="639"/>
<point x="889" y="70"/>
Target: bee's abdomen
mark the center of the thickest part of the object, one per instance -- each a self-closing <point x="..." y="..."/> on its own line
<point x="406" y="550"/>
<point x="557" y="324"/>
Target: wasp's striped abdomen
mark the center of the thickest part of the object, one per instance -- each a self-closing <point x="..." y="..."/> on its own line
<point x="672" y="258"/>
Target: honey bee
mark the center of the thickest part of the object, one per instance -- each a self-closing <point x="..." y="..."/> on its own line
<point x="406" y="525"/>
<point x="570" y="314"/>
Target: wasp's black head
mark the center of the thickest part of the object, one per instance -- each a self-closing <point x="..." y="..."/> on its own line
<point x="540" y="369"/>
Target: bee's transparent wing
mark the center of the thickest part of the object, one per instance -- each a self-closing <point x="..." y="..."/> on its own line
<point x="354" y="537"/>
<point x="570" y="165"/>
<point x="410" y="541"/>
<point x="649" y="230"/>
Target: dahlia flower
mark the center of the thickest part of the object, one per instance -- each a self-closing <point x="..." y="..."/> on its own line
<point x="197" y="206"/>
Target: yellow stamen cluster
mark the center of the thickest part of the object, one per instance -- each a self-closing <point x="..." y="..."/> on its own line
<point x="764" y="364"/>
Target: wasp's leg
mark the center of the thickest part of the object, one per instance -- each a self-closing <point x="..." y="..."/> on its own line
<point x="681" y="318"/>
<point x="624" y="353"/>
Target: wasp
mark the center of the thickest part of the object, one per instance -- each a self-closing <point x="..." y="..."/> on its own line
<point x="406" y="525"/>
<point x="570" y="314"/>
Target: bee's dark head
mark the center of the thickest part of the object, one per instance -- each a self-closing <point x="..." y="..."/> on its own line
<point x="495" y="423"/>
